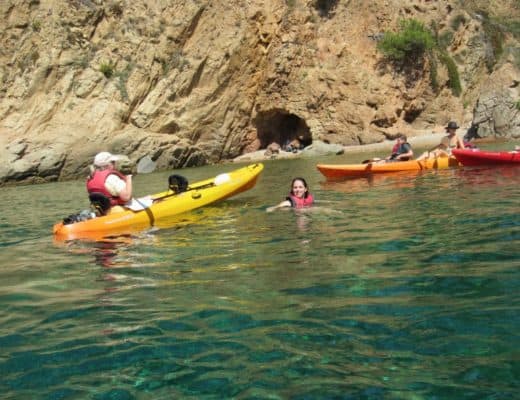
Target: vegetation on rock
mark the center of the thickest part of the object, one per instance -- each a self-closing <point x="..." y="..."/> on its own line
<point x="409" y="45"/>
<point x="107" y="69"/>
<point x="414" y="42"/>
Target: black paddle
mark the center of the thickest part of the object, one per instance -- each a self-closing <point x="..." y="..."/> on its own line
<point x="371" y="160"/>
<point x="179" y="184"/>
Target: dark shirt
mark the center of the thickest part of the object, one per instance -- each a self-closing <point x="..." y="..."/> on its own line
<point x="402" y="149"/>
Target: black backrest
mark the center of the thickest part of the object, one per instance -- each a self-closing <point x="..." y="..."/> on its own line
<point x="100" y="202"/>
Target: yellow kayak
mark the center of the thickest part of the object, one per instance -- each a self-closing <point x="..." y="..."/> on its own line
<point x="355" y="170"/>
<point x="158" y="209"/>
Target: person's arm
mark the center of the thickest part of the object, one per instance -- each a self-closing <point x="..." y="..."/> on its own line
<point x="443" y="145"/>
<point x="405" y="156"/>
<point x="119" y="187"/>
<point x="439" y="146"/>
<point x="460" y="143"/>
<point x="126" y="193"/>
<point x="285" y="203"/>
<point x="408" y="154"/>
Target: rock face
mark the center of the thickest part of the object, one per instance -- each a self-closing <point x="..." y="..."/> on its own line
<point x="194" y="82"/>
<point x="497" y="111"/>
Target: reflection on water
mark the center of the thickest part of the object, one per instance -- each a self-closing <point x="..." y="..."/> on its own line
<point x="399" y="287"/>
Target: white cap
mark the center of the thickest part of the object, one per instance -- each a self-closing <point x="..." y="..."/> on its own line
<point x="104" y="158"/>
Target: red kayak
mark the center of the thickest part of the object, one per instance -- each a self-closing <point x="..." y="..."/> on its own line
<point x="475" y="157"/>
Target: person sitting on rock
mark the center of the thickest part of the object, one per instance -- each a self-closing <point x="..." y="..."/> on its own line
<point x="293" y="146"/>
<point x="272" y="150"/>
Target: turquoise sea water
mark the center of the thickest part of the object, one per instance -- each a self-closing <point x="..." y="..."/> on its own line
<point x="399" y="287"/>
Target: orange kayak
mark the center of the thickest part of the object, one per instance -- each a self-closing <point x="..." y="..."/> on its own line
<point x="355" y="170"/>
<point x="161" y="208"/>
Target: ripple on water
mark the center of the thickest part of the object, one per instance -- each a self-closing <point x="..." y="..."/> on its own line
<point x="403" y="287"/>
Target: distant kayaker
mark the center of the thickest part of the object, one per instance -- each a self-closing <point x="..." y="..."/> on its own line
<point x="402" y="150"/>
<point x="106" y="180"/>
<point x="299" y="196"/>
<point x="448" y="142"/>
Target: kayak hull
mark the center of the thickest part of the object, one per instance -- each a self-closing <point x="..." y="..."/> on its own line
<point x="165" y="206"/>
<point x="356" y="170"/>
<point x="475" y="157"/>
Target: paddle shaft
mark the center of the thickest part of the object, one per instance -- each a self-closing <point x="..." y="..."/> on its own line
<point x="206" y="185"/>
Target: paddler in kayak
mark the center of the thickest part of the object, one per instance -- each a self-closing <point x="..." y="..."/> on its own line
<point x="402" y="151"/>
<point x="448" y="142"/>
<point x="299" y="196"/>
<point x="105" y="180"/>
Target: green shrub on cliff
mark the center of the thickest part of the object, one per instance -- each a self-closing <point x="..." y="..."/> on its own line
<point x="512" y="26"/>
<point x="434" y="79"/>
<point x="409" y="44"/>
<point x="107" y="69"/>
<point x="453" y="73"/>
<point x="36" y="25"/>
<point x="414" y="42"/>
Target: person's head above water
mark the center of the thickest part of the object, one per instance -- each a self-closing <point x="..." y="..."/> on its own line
<point x="299" y="188"/>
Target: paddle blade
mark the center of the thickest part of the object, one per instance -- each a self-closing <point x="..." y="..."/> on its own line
<point x="146" y="165"/>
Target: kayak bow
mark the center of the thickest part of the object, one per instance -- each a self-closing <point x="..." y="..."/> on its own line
<point x="476" y="157"/>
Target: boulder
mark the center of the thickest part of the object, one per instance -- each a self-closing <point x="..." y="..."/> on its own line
<point x="319" y="148"/>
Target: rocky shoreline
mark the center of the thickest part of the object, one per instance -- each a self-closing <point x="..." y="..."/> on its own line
<point x="419" y="141"/>
<point x="319" y="148"/>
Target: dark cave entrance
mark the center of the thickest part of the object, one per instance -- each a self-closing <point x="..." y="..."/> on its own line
<point x="281" y="127"/>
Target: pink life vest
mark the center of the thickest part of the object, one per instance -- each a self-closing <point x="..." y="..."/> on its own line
<point x="298" y="202"/>
<point x="96" y="184"/>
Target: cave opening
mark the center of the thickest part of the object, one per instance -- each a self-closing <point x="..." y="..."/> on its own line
<point x="281" y="127"/>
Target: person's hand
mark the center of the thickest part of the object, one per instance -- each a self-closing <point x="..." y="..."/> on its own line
<point x="125" y="167"/>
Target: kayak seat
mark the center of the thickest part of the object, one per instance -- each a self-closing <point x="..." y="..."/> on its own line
<point x="99" y="202"/>
<point x="177" y="183"/>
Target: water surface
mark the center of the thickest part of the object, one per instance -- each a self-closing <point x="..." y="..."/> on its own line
<point x="397" y="287"/>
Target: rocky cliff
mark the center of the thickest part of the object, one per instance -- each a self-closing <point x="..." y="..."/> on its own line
<point x="195" y="82"/>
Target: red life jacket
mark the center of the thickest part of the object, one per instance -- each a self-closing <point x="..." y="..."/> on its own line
<point x="96" y="184"/>
<point x="298" y="202"/>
